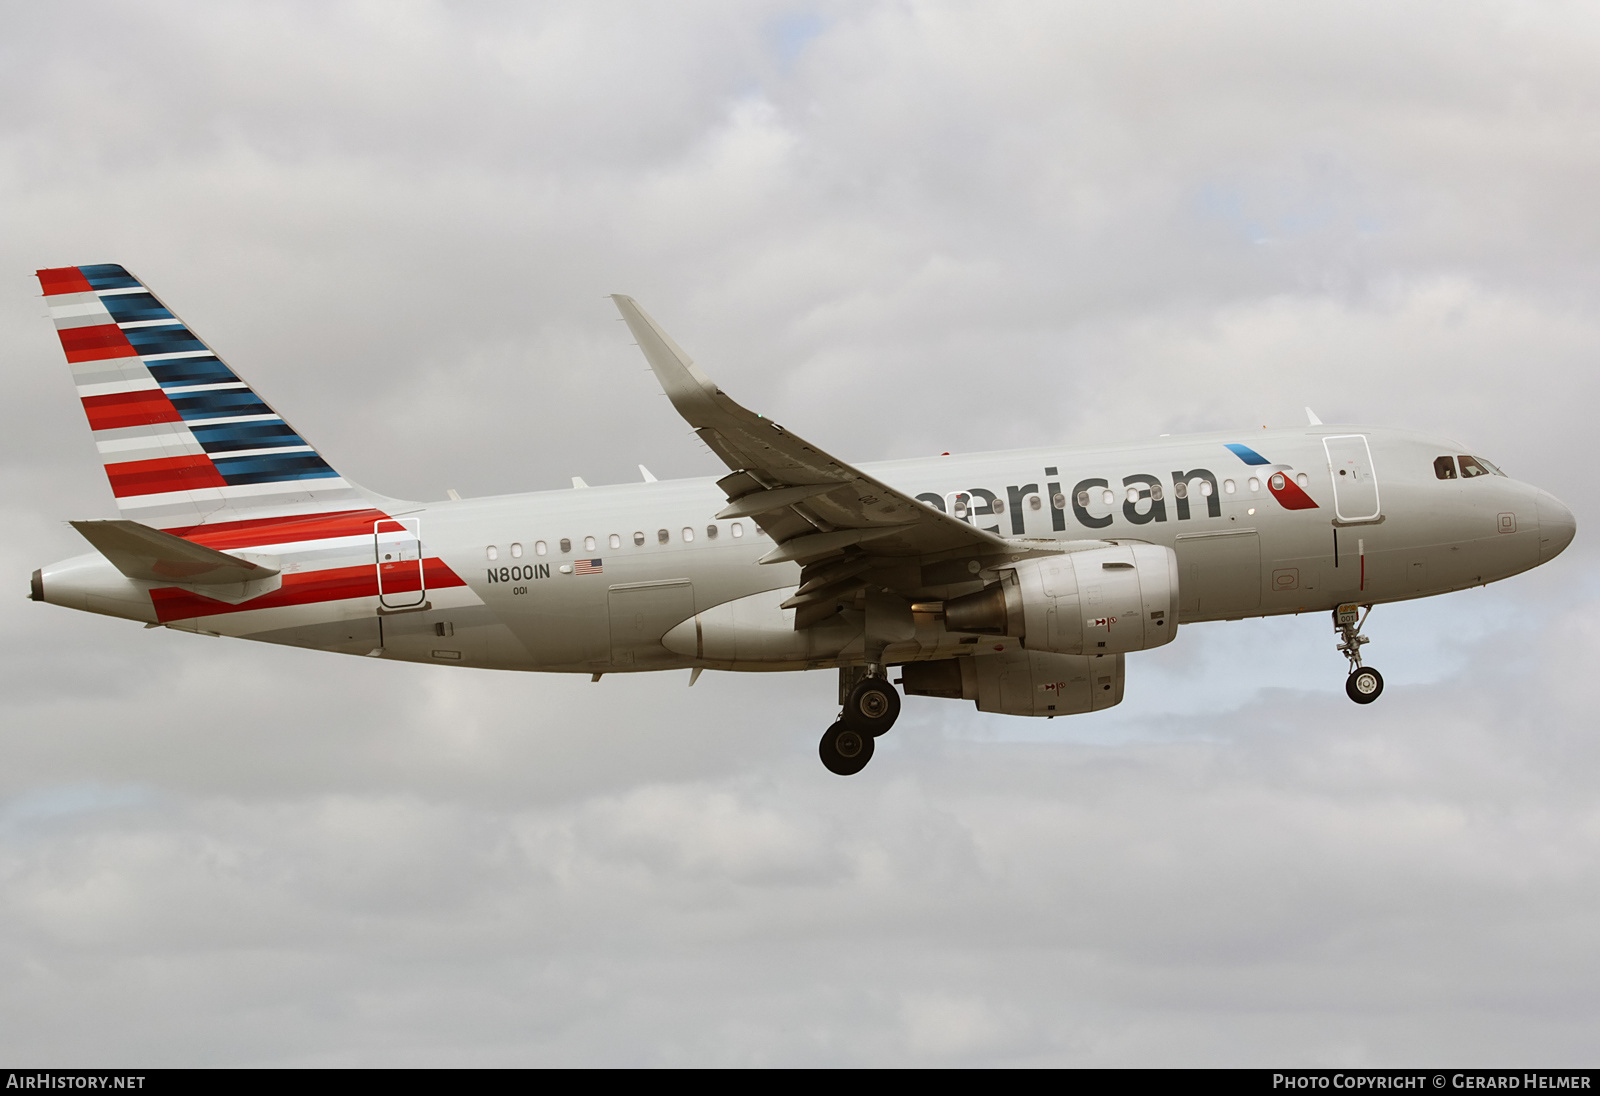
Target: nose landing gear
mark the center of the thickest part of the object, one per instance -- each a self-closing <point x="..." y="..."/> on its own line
<point x="871" y="706"/>
<point x="1364" y="685"/>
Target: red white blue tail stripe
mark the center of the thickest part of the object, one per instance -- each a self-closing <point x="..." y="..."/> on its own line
<point x="184" y="440"/>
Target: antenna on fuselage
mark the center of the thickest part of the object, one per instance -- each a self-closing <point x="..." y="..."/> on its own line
<point x="1311" y="418"/>
<point x="645" y="472"/>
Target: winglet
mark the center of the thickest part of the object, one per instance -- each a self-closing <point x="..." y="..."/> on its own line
<point x="1311" y="418"/>
<point x="690" y="390"/>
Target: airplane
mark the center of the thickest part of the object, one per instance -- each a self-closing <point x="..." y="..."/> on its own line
<point x="1017" y="580"/>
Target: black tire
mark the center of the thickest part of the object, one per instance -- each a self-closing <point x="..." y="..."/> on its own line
<point x="1364" y="685"/>
<point x="845" y="751"/>
<point x="872" y="708"/>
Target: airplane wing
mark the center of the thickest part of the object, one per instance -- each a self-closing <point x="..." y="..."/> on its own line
<point x="836" y="521"/>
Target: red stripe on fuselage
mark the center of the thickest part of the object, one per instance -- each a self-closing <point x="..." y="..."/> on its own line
<point x="304" y="588"/>
<point x="261" y="531"/>
<point x="62" y="279"/>
<point x="122" y="409"/>
<point x="152" y="477"/>
<point x="88" y="344"/>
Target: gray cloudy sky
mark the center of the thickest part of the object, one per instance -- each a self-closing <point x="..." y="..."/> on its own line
<point x="904" y="228"/>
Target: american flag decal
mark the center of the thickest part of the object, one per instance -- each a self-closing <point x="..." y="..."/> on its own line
<point x="586" y="567"/>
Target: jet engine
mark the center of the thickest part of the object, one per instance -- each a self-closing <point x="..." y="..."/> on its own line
<point x="1104" y="601"/>
<point x="1021" y="682"/>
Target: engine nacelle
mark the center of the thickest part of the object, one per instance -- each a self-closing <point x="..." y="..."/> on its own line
<point x="1018" y="682"/>
<point x="1111" y="600"/>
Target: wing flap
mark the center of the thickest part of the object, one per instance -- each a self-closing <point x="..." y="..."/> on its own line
<point x="763" y="500"/>
<point x="816" y="546"/>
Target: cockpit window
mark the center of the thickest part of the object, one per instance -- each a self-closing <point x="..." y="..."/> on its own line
<point x="1445" y="467"/>
<point x="1477" y="466"/>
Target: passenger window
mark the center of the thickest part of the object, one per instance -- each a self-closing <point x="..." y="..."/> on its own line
<point x="1254" y="485"/>
<point x="1470" y="468"/>
<point x="1445" y="468"/>
<point x="1133" y="494"/>
<point x="711" y="532"/>
<point x="588" y="544"/>
<point x="1181" y="489"/>
<point x="1228" y="487"/>
<point x="1035" y="502"/>
<point x="688" y="534"/>
<point x="1083" y="500"/>
<point x="1206" y="488"/>
<point x="492" y="552"/>
<point x="1108" y="498"/>
<point x="540" y="548"/>
<point x="638" y="539"/>
<point x="616" y="541"/>
<point x="662" y="536"/>
<point x="566" y="545"/>
<point x="516" y="551"/>
<point x="737" y="529"/>
<point x="1302" y="479"/>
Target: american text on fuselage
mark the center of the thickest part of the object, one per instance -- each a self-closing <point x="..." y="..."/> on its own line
<point x="1018" y="580"/>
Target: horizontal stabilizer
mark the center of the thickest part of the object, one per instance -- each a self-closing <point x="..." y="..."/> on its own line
<point x="150" y="555"/>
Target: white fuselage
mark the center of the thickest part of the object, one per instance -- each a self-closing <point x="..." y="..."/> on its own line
<point x="1374" y="523"/>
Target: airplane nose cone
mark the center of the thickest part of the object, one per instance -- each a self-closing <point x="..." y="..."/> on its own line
<point x="1556" y="526"/>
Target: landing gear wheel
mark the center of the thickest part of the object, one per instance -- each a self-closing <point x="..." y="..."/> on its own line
<point x="1364" y="685"/>
<point x="845" y="750"/>
<point x="872" y="707"/>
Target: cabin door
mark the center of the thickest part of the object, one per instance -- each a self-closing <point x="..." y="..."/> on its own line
<point x="1355" y="483"/>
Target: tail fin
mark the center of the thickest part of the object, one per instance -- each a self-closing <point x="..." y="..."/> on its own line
<point x="185" y="442"/>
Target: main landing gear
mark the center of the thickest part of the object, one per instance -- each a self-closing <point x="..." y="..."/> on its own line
<point x="1364" y="685"/>
<point x="871" y="706"/>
